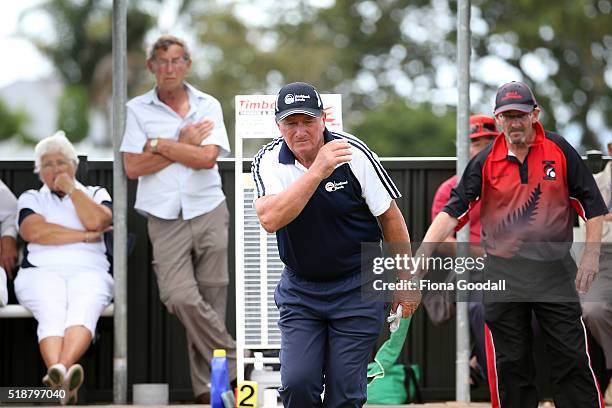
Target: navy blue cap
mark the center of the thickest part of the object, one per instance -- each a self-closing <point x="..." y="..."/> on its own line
<point x="514" y="96"/>
<point x="298" y="97"/>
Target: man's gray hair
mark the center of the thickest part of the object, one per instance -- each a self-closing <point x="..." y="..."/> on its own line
<point x="166" y="41"/>
<point x="58" y="143"/>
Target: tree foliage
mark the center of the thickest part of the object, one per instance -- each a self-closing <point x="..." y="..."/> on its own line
<point x="82" y="36"/>
<point x="73" y="113"/>
<point x="342" y="49"/>
<point x="12" y="123"/>
<point x="375" y="52"/>
<point x="395" y="129"/>
<point x="80" y="48"/>
<point x="572" y="40"/>
<point x="395" y="55"/>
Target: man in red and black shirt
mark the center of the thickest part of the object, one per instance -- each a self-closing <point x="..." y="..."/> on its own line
<point x="527" y="181"/>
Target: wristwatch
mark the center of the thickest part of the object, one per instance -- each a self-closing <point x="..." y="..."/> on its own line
<point x="153" y="145"/>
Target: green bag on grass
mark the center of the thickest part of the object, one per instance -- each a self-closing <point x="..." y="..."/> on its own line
<point x="399" y="385"/>
<point x="391" y="383"/>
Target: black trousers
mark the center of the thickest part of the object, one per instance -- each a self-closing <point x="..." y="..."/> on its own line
<point x="574" y="382"/>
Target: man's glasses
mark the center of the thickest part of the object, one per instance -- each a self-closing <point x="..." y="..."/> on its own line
<point x="509" y="117"/>
<point x="176" y="62"/>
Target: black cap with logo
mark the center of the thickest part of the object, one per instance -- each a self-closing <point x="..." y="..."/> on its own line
<point x="514" y="96"/>
<point x="298" y="97"/>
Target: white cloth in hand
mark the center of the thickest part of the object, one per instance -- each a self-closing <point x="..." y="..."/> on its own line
<point x="394" y="319"/>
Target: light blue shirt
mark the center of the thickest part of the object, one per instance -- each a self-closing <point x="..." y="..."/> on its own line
<point x="177" y="189"/>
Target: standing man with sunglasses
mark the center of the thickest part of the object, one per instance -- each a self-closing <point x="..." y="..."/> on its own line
<point x="173" y="136"/>
<point x="527" y="182"/>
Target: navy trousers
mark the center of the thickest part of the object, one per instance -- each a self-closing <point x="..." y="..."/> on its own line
<point x="327" y="336"/>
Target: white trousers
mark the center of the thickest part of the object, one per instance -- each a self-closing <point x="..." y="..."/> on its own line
<point x="59" y="299"/>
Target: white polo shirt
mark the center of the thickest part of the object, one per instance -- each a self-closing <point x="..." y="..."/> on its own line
<point x="61" y="211"/>
<point x="8" y="211"/>
<point x="176" y="189"/>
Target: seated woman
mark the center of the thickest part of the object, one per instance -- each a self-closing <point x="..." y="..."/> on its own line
<point x="64" y="277"/>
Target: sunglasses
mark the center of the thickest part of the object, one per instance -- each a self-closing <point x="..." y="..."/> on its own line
<point x="482" y="127"/>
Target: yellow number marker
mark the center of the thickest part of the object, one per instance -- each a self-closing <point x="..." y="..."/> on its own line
<point x="247" y="394"/>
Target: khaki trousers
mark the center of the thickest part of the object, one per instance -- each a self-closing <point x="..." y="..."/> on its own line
<point x="190" y="262"/>
<point x="597" y="306"/>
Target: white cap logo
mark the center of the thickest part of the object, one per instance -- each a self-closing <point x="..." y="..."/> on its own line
<point x="289" y="99"/>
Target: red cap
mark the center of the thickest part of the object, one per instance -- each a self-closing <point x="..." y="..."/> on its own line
<point x="481" y="126"/>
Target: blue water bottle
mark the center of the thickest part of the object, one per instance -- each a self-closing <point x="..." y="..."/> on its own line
<point x="219" y="378"/>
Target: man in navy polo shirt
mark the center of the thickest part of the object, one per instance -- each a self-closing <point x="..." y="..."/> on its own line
<point x="527" y="182"/>
<point x="324" y="194"/>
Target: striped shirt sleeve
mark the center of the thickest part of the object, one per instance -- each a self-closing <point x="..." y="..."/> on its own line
<point x="26" y="205"/>
<point x="263" y="170"/>
<point x="377" y="188"/>
<point x="100" y="195"/>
